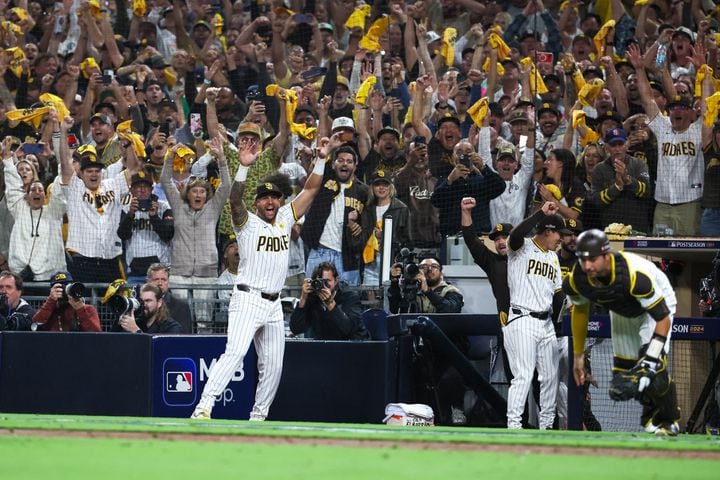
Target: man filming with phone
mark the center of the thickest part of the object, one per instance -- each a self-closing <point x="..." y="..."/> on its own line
<point x="146" y="228"/>
<point x="325" y="310"/>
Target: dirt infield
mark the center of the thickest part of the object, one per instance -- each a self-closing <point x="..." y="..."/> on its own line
<point x="416" y="445"/>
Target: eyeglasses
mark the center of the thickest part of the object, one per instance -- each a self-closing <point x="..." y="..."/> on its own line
<point x="425" y="267"/>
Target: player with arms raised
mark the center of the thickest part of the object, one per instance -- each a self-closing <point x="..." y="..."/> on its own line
<point x="642" y="304"/>
<point x="255" y="312"/>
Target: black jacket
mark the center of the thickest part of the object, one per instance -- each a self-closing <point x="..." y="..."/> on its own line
<point x="483" y="188"/>
<point x="356" y="197"/>
<point x="341" y="323"/>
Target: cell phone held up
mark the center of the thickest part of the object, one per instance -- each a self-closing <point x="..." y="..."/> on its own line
<point x="196" y="129"/>
<point x="32" y="148"/>
<point x="165" y="129"/>
<point x="107" y="77"/>
<point x="464" y="160"/>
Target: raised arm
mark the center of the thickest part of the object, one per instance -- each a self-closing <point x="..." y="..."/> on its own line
<point x="238" y="209"/>
<point x="417" y="112"/>
<point x="302" y="202"/>
<point x="646" y="97"/>
<point x="66" y="168"/>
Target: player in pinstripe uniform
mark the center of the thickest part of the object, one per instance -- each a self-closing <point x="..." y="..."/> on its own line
<point x="255" y="312"/>
<point x="642" y="305"/>
<point x="535" y="284"/>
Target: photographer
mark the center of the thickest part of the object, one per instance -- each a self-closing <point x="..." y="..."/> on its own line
<point x="432" y="293"/>
<point x="326" y="310"/>
<point x="15" y="312"/>
<point x="708" y="292"/>
<point x="65" y="310"/>
<point x="154" y="317"/>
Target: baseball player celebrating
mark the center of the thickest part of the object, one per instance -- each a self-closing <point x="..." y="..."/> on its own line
<point x="535" y="284"/>
<point x="642" y="304"/>
<point x="255" y="313"/>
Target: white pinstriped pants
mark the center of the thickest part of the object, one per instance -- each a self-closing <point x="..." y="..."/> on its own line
<point x="530" y="343"/>
<point x="251" y="317"/>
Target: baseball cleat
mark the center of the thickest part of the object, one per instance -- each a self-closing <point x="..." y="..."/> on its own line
<point x="200" y="414"/>
<point x="668" y="430"/>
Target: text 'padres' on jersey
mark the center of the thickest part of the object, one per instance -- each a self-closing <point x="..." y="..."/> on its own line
<point x="533" y="277"/>
<point x="263" y="249"/>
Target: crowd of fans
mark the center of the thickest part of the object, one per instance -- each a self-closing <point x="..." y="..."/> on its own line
<point x="123" y="123"/>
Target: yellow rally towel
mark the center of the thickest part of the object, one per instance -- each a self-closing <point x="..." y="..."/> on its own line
<point x="478" y="110"/>
<point x="95" y="10"/>
<point x="590" y="135"/>
<point x="52" y="100"/>
<point x="604" y="9"/>
<point x="34" y="116"/>
<point x="86" y="65"/>
<point x="599" y="38"/>
<point x="357" y="17"/>
<point x="170" y="77"/>
<point x="21" y="13"/>
<point x="640" y="3"/>
<point x="16" y="60"/>
<point x="219" y="24"/>
<point x="124" y="130"/>
<point x="8" y="27"/>
<point x="497" y="43"/>
<point x="364" y="91"/>
<point x="181" y="155"/>
<point x="138" y="8"/>
<point x="554" y="190"/>
<point x="486" y="67"/>
<point x="372" y="247"/>
<point x="448" y="46"/>
<point x="711" y="114"/>
<point x="590" y="91"/>
<point x="289" y="97"/>
<point x="534" y="77"/>
<point x="704" y="71"/>
<point x="564" y="5"/>
<point x="408" y="114"/>
<point x="371" y="40"/>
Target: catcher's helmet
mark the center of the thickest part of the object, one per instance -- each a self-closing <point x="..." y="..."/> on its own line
<point x="592" y="243"/>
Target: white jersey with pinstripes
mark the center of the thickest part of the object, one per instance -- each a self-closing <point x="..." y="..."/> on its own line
<point x="264" y="250"/>
<point x="94" y="217"/>
<point x="533" y="277"/>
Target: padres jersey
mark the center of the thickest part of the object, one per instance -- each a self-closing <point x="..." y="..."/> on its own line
<point x="636" y="286"/>
<point x="680" y="161"/>
<point x="264" y="250"/>
<point x="93" y="217"/>
<point x="533" y="277"/>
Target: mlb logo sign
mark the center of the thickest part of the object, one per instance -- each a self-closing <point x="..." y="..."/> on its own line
<point x="179" y="380"/>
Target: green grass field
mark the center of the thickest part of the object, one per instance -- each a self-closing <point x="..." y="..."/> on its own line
<point x="99" y="448"/>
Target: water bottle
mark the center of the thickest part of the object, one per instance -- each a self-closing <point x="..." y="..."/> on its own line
<point x="661" y="56"/>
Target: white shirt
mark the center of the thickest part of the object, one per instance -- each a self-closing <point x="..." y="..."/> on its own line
<point x="681" y="162"/>
<point x="331" y="236"/>
<point x="144" y="241"/>
<point x="92" y="233"/>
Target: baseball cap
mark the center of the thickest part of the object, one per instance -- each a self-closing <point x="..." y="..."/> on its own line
<point x="249" y="127"/>
<point x="61" y="277"/>
<point x="342" y="81"/>
<point x="552" y="222"/>
<point x="517" y="115"/>
<point x="83" y="150"/>
<point x="551" y="77"/>
<point x="506" y="151"/>
<point x="166" y="102"/>
<point x="230" y="240"/>
<point x="150" y="83"/>
<point x="615" y="135"/>
<point x="548" y="107"/>
<point x="88" y="161"/>
<point x="102" y="117"/>
<point x="591" y="70"/>
<point x="385" y="130"/>
<point x="448" y="117"/>
<point x="379" y="176"/>
<point x="156" y="61"/>
<point x="499" y="230"/>
<point x="509" y="61"/>
<point x="431" y="36"/>
<point x="685" y="32"/>
<point x="525" y="102"/>
<point x="680" y="101"/>
<point x="201" y="23"/>
<point x="326" y="26"/>
<point x="141" y="177"/>
<point x="342" y="122"/>
<point x="657" y="86"/>
<point x="610" y="115"/>
<point x="265" y="189"/>
<point x="575" y="226"/>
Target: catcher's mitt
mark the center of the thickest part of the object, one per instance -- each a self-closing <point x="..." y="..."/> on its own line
<point x="629" y="384"/>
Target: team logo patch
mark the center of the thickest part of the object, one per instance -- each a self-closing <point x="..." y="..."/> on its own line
<point x="179" y="381"/>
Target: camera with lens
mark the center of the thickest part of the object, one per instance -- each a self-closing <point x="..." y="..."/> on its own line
<point x="317" y="284"/>
<point x="708" y="290"/>
<point x="74" y="290"/>
<point x="121" y="305"/>
<point x="15" y="321"/>
<point x="410" y="285"/>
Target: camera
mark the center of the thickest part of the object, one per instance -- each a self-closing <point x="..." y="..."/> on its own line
<point x="708" y="290"/>
<point x="121" y="305"/>
<point x="145" y="205"/>
<point x="74" y="290"/>
<point x="16" y="321"/>
<point x="317" y="284"/>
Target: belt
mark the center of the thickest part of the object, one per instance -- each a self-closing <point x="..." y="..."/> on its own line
<point x="267" y="296"/>
<point x="538" y="315"/>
